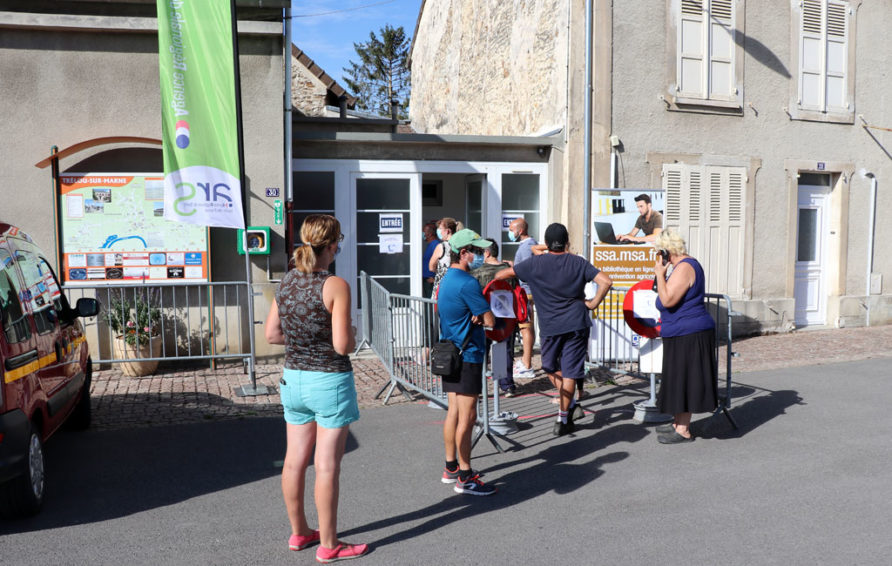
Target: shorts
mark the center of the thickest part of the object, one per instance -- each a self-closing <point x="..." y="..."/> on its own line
<point x="468" y="381"/>
<point x="327" y="398"/>
<point x="531" y="314"/>
<point x="566" y="352"/>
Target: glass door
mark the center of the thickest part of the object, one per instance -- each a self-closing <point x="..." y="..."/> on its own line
<point x="383" y="231"/>
<point x="474" y="203"/>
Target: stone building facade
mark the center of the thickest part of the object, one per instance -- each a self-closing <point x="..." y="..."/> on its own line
<point x="765" y="124"/>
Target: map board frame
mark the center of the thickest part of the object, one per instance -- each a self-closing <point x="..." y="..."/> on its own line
<point x="114" y="232"/>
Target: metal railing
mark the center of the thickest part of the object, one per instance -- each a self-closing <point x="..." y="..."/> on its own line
<point x="400" y="329"/>
<point x="187" y="321"/>
<point x="614" y="345"/>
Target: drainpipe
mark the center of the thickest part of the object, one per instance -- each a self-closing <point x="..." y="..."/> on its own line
<point x="289" y="188"/>
<point x="587" y="143"/>
<point x="871" y="226"/>
<point x="342" y="106"/>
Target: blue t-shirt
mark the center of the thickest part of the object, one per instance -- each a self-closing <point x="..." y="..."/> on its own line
<point x="426" y="258"/>
<point x="558" y="285"/>
<point x="524" y="252"/>
<point x="458" y="300"/>
<point x="689" y="315"/>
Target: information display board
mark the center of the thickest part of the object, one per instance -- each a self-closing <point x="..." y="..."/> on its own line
<point x="114" y="231"/>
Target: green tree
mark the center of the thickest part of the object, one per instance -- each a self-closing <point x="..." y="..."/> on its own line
<point x="382" y="72"/>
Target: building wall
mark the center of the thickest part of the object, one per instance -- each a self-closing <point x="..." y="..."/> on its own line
<point x="633" y="44"/>
<point x="308" y="94"/>
<point x="62" y="86"/>
<point x="490" y="67"/>
<point x="764" y="133"/>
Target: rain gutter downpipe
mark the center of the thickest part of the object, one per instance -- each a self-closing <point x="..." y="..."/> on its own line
<point x="872" y="226"/>
<point x="289" y="186"/>
<point x="587" y="143"/>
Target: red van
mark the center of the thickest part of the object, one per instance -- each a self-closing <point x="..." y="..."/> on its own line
<point x="45" y="368"/>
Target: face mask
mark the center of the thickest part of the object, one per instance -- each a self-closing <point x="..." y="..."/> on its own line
<point x="512" y="236"/>
<point x="440" y="234"/>
<point x="477" y="262"/>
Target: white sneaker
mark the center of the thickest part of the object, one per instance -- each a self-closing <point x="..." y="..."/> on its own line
<point x="522" y="372"/>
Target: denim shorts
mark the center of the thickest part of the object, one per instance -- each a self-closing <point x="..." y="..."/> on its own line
<point x="329" y="399"/>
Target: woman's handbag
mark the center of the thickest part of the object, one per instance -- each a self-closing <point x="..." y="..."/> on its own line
<point x="446" y="356"/>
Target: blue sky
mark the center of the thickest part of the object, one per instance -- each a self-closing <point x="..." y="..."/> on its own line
<point x="326" y="31"/>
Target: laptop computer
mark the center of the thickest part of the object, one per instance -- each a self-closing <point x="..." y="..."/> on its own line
<point x="606" y="235"/>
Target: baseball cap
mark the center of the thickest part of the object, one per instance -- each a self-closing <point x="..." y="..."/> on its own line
<point x="467" y="237"/>
<point x="556" y="236"/>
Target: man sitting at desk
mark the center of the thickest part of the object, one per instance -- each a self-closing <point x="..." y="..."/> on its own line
<point x="650" y="222"/>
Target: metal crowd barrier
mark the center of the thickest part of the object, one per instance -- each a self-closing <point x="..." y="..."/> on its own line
<point x="189" y="321"/>
<point x="400" y="329"/>
<point x="614" y="347"/>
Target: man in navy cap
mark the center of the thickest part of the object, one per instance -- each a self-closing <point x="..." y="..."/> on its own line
<point x="557" y="279"/>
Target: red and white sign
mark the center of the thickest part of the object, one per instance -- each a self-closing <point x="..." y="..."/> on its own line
<point x="639" y="309"/>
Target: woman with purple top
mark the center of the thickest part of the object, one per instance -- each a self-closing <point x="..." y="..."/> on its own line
<point x="689" y="365"/>
<point x="311" y="317"/>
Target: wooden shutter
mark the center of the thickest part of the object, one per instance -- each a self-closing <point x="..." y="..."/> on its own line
<point x="836" y="98"/>
<point x="811" y="57"/>
<point x="823" y="55"/>
<point x="722" y="82"/>
<point x="690" y="57"/>
<point x="705" y="204"/>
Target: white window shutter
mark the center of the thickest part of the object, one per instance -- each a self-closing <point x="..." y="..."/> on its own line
<point x="811" y="55"/>
<point x="837" y="56"/>
<point x="690" y="49"/>
<point x="705" y="205"/>
<point x="721" y="50"/>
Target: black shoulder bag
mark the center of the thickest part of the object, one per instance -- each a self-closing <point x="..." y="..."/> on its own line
<point x="446" y="356"/>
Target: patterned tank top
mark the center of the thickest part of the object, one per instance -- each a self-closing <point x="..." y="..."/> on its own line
<point x="306" y="324"/>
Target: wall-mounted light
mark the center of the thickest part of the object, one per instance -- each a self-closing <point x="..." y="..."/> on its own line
<point x="540" y="151"/>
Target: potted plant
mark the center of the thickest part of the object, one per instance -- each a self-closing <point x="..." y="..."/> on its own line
<point x="134" y="316"/>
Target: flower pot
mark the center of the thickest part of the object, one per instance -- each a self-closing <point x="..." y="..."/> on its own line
<point x="123" y="351"/>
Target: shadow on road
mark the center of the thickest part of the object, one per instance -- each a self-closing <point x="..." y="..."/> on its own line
<point x="101" y="475"/>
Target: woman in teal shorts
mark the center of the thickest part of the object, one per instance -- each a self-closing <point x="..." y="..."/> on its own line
<point x="311" y="317"/>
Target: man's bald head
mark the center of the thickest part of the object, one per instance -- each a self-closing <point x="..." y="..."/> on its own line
<point x="519" y="225"/>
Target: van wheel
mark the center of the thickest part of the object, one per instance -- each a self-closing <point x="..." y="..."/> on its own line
<point x="23" y="496"/>
<point x="82" y="414"/>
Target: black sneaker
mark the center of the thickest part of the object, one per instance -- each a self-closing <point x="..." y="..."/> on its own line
<point x="474" y="486"/>
<point x="510" y="392"/>
<point x="560" y="429"/>
<point x="576" y="414"/>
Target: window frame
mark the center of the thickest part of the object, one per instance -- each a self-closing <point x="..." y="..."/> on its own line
<point x="795" y="109"/>
<point x="675" y="101"/>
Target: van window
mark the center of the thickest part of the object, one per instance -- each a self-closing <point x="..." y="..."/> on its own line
<point x="15" y="325"/>
<point x="42" y="290"/>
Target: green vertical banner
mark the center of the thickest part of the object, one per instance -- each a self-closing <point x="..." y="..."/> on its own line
<point x="199" y="131"/>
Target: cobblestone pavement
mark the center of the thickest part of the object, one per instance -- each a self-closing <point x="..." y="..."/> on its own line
<point x="177" y="396"/>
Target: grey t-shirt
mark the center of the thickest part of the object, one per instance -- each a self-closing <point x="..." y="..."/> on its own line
<point x="524" y="252"/>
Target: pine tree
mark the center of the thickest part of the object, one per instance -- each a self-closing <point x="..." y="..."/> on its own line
<point x="382" y="73"/>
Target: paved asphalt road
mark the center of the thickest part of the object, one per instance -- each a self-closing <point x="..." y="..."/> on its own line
<point x="805" y="480"/>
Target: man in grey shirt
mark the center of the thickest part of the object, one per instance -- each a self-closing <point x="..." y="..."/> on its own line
<point x="517" y="232"/>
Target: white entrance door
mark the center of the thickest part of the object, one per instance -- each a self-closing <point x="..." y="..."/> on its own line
<point x="811" y="256"/>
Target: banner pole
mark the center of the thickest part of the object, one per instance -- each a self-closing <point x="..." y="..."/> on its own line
<point x="253" y="389"/>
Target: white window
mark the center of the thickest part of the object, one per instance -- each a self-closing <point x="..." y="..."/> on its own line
<point x="823" y="39"/>
<point x="705" y="204"/>
<point x="708" y="52"/>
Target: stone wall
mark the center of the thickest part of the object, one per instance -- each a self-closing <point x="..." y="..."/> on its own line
<point x="490" y="67"/>
<point x="308" y="94"/>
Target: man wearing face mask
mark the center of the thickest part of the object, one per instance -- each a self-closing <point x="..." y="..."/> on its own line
<point x="463" y="313"/>
<point x="517" y="232"/>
